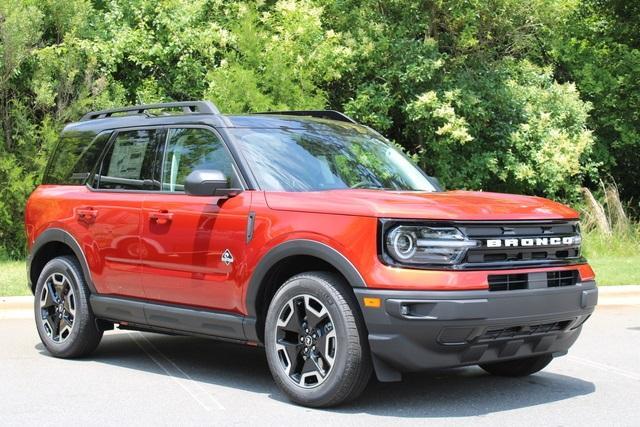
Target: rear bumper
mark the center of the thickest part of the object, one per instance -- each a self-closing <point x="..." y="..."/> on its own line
<point x="419" y="330"/>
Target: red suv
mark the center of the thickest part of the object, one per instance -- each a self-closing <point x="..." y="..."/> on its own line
<point x="299" y="231"/>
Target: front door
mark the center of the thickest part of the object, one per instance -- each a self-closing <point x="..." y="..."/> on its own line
<point x="193" y="246"/>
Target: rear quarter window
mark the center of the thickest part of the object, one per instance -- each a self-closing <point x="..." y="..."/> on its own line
<point x="74" y="158"/>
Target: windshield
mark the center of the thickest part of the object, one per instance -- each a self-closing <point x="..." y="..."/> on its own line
<point x="326" y="157"/>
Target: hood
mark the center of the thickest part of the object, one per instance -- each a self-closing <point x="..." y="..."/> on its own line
<point x="449" y="205"/>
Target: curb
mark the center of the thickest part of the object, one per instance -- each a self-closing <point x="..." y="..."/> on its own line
<point x="16" y="307"/>
<point x="16" y="303"/>
<point x="607" y="295"/>
<point x="619" y="291"/>
<point x="619" y="295"/>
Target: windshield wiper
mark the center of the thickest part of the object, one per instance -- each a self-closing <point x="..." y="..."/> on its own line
<point x="370" y="187"/>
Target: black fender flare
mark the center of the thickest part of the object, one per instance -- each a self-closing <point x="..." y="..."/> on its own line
<point x="293" y="248"/>
<point x="61" y="236"/>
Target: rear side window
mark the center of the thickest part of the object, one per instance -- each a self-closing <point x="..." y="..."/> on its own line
<point x="191" y="149"/>
<point x="128" y="163"/>
<point x="74" y="158"/>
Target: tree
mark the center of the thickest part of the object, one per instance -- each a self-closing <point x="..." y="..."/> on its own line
<point x="464" y="87"/>
<point x="599" y="48"/>
<point x="60" y="59"/>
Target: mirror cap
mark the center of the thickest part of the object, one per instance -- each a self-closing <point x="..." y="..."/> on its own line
<point x="209" y="183"/>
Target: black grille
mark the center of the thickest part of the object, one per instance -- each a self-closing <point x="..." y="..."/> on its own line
<point x="505" y="257"/>
<point x="523" y="330"/>
<point x="562" y="278"/>
<point x="551" y="279"/>
<point x="508" y="282"/>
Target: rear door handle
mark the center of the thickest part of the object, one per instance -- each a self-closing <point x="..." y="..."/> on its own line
<point x="87" y="214"/>
<point x="161" y="217"/>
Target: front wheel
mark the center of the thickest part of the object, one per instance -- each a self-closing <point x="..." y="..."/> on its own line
<point x="518" y="367"/>
<point x="316" y="342"/>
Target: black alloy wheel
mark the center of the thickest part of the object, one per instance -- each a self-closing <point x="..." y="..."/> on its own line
<point x="306" y="341"/>
<point x="64" y="320"/>
<point x="316" y="340"/>
<point x="57" y="307"/>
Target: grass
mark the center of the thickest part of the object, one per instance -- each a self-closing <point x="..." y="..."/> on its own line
<point x="13" y="278"/>
<point x="616" y="261"/>
<point x="616" y="270"/>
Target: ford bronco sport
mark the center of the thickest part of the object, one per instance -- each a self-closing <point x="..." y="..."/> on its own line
<point x="299" y="231"/>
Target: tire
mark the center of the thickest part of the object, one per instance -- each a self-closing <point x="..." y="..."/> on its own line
<point x="518" y="367"/>
<point x="336" y="341"/>
<point x="66" y="325"/>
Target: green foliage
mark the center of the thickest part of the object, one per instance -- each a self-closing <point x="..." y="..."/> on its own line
<point x="536" y="97"/>
<point x="277" y="59"/>
<point x="599" y="49"/>
<point x="60" y="59"/>
<point x="518" y="129"/>
<point x="456" y="84"/>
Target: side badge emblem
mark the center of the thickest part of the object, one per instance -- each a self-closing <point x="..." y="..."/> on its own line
<point x="227" y="258"/>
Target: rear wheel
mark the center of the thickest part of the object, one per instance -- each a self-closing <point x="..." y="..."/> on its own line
<point x="316" y="342"/>
<point x="518" y="367"/>
<point x="64" y="320"/>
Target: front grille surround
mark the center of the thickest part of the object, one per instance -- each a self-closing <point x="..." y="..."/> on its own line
<point x="490" y="258"/>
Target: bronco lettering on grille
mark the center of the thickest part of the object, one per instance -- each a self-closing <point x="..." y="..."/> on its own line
<point x="532" y="241"/>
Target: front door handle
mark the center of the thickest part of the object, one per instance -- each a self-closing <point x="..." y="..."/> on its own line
<point x="87" y="214"/>
<point x="161" y="217"/>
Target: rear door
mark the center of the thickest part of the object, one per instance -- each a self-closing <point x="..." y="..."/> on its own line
<point x="193" y="248"/>
<point x="112" y="212"/>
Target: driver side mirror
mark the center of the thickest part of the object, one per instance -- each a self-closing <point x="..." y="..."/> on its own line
<point x="209" y="183"/>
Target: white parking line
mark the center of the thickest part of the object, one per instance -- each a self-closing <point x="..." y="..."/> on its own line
<point x="201" y="395"/>
<point x="614" y="370"/>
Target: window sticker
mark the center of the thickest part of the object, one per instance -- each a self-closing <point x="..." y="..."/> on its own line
<point x="126" y="159"/>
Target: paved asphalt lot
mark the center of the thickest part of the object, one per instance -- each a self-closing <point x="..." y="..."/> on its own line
<point x="143" y="379"/>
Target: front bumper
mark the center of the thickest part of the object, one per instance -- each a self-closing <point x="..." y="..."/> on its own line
<point x="419" y="330"/>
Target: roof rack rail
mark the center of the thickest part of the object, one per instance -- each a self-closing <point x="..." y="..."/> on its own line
<point x="188" y="107"/>
<point x="321" y="114"/>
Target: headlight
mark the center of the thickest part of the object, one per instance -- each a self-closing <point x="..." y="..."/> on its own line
<point x="416" y="244"/>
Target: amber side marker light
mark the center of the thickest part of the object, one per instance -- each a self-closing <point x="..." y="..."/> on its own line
<point x="372" y="302"/>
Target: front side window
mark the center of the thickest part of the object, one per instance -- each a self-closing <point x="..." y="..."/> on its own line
<point x="128" y="163"/>
<point x="191" y="149"/>
<point x="327" y="157"/>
